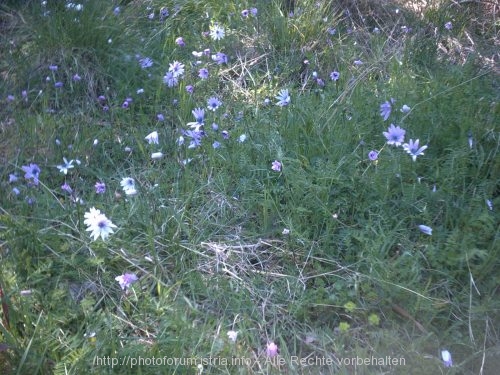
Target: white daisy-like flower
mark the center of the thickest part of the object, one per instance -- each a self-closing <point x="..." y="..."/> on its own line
<point x="177" y="69"/>
<point x="152" y="138"/>
<point x="232" y="335"/>
<point x="98" y="224"/>
<point x="283" y="98"/>
<point x="64" y="167"/>
<point x="128" y="185"/>
<point x="217" y="32"/>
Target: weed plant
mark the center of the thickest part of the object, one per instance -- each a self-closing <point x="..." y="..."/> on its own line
<point x="219" y="187"/>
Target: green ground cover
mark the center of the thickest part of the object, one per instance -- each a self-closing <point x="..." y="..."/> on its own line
<point x="248" y="187"/>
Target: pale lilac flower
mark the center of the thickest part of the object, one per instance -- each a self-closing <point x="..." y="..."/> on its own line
<point x="197" y="54"/>
<point x="64" y="167"/>
<point x="180" y="42"/>
<point x="425" y="229"/>
<point x="213" y="103"/>
<point x="195" y="138"/>
<point x="58" y="84"/>
<point x="100" y="187"/>
<point x="253" y="11"/>
<point x="98" y="224"/>
<point x="358" y="62"/>
<point x="271" y="349"/>
<point x="146" y="62"/>
<point x="160" y="117"/>
<point x="76" y="77"/>
<point x="220" y="58"/>
<point x="373" y="155"/>
<point x="13" y="178"/>
<point x="448" y="25"/>
<point x="225" y="134"/>
<point x="15" y="191"/>
<point x="334" y="76"/>
<point x="199" y="115"/>
<point x="489" y="204"/>
<point x="232" y="335"/>
<point x="276" y="166"/>
<point x="215" y="126"/>
<point x="216" y="144"/>
<point x="242" y="138"/>
<point x="206" y="52"/>
<point x="245" y="13"/>
<point x="189" y="89"/>
<point x="386" y="108"/>
<point x="126" y="280"/>
<point x="217" y="32"/>
<point x="446" y="356"/>
<point x="77" y="7"/>
<point x="203" y="73"/>
<point x="53" y="68"/>
<point x="170" y="80"/>
<point x="67" y="188"/>
<point x="24" y="94"/>
<point x="176" y="68"/>
<point x="116" y="11"/>
<point x="331" y="31"/>
<point x="405" y="109"/>
<point x="140" y="91"/>
<point x="285" y="231"/>
<point x="470" y="139"/>
<point x="413" y="149"/>
<point x="395" y="135"/>
<point x="283" y="98"/>
<point x="128" y="185"/>
<point x="156" y="155"/>
<point x="152" y="138"/>
<point x="163" y="13"/>
<point x="32" y="172"/>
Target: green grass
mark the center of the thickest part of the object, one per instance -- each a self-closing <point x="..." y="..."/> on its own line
<point x="324" y="258"/>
